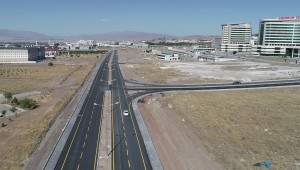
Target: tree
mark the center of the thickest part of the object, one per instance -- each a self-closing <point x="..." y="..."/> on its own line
<point x="50" y="64"/>
<point x="234" y="52"/>
<point x="8" y="95"/>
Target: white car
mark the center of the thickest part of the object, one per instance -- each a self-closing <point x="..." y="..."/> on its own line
<point x="125" y="113"/>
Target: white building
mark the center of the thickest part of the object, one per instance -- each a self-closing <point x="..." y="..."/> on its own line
<point x="254" y="40"/>
<point x="22" y="55"/>
<point x="279" y="37"/>
<point x="140" y="45"/>
<point x="168" y="56"/>
<point x="236" y="37"/>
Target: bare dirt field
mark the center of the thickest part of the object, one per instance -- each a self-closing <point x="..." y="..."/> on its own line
<point x="56" y="85"/>
<point x="236" y="129"/>
<point x="151" y="70"/>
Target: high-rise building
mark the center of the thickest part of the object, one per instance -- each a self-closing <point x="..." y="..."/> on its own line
<point x="279" y="37"/>
<point x="236" y="37"/>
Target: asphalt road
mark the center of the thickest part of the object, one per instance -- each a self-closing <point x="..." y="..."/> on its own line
<point x="128" y="147"/>
<point x="81" y="149"/>
<point x="159" y="87"/>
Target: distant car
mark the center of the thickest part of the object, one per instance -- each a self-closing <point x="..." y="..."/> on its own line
<point x="236" y="82"/>
<point x="125" y="113"/>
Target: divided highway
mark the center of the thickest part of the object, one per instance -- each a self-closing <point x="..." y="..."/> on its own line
<point x="81" y="148"/>
<point x="128" y="149"/>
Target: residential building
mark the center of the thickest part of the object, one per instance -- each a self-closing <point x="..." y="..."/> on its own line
<point x="50" y="50"/>
<point x="22" y="55"/>
<point x="236" y="37"/>
<point x="278" y="37"/>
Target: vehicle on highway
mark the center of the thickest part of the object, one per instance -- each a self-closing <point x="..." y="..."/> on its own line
<point x="236" y="82"/>
<point x="125" y="113"/>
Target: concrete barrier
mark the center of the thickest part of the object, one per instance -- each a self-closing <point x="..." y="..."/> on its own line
<point x="151" y="151"/>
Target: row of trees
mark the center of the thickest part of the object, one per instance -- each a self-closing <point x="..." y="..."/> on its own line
<point x="76" y="53"/>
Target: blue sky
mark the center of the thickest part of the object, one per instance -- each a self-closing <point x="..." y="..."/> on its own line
<point x="177" y="17"/>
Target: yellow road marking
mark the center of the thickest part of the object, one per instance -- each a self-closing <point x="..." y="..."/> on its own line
<point x="85" y="136"/>
<point x="81" y="155"/>
<point x="83" y="144"/>
<point x="127" y="151"/>
<point x="78" y="167"/>
<point x="90" y="122"/>
<point x="88" y="128"/>
<point x="125" y="142"/>
<point x="128" y="163"/>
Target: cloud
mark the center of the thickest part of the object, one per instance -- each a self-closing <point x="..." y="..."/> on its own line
<point x="105" y="20"/>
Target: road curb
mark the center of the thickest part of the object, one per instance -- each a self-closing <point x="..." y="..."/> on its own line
<point x="151" y="151"/>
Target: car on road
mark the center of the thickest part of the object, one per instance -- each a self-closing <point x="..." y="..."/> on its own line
<point x="236" y="82"/>
<point x="125" y="113"/>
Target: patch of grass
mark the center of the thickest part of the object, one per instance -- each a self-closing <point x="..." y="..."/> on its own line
<point x="154" y="73"/>
<point x="241" y="128"/>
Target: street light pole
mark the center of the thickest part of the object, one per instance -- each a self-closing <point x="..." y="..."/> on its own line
<point x="120" y="142"/>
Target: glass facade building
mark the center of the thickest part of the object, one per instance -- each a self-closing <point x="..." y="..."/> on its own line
<point x="279" y="37"/>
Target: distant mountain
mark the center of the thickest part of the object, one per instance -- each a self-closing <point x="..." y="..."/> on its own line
<point x="120" y="36"/>
<point x="11" y="35"/>
<point x="199" y="37"/>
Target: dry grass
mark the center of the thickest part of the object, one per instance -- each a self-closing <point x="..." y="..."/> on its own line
<point x="154" y="73"/>
<point x="30" y="77"/>
<point x="23" y="78"/>
<point x="241" y="128"/>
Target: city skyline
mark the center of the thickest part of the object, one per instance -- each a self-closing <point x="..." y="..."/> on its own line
<point x="66" y="18"/>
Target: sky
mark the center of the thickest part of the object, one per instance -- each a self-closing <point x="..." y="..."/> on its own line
<point x="174" y="17"/>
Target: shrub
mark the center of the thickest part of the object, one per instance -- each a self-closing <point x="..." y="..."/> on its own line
<point x="8" y="95"/>
<point x="50" y="64"/>
<point x="3" y="125"/>
<point x="27" y="103"/>
<point x="15" y="101"/>
<point x="13" y="109"/>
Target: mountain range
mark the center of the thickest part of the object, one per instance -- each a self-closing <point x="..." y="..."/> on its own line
<point x="16" y="36"/>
